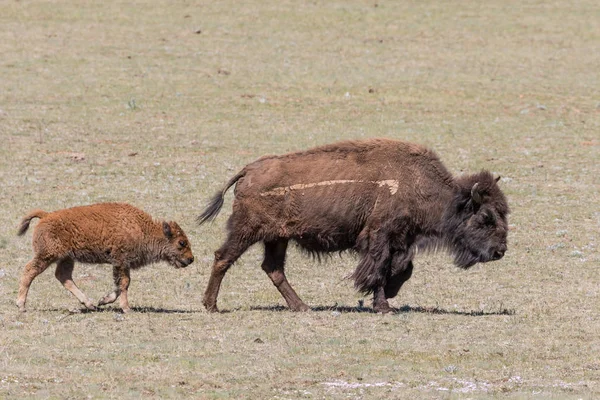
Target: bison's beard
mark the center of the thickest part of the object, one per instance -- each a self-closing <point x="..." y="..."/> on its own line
<point x="465" y="258"/>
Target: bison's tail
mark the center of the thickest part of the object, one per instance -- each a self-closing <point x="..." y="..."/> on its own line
<point x="213" y="208"/>
<point x="27" y="220"/>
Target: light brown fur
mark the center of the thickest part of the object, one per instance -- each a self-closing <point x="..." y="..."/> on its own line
<point x="111" y="233"/>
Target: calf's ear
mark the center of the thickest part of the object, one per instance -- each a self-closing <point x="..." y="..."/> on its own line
<point x="475" y="195"/>
<point x="167" y="230"/>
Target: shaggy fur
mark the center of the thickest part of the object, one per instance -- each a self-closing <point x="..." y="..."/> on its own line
<point x="384" y="199"/>
<point x="111" y="233"/>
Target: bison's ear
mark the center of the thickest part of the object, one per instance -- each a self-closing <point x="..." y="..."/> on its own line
<point x="475" y="194"/>
<point x="167" y="230"/>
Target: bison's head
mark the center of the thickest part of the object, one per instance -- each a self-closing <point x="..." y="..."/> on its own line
<point x="476" y="223"/>
<point x="178" y="251"/>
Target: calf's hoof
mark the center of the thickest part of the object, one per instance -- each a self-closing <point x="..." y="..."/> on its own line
<point x="109" y="298"/>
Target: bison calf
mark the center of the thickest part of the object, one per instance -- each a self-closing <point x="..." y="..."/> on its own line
<point x="111" y="233"/>
<point x="386" y="200"/>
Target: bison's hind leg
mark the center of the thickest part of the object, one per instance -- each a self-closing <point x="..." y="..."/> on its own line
<point x="273" y="265"/>
<point x="231" y="250"/>
<point x="31" y="270"/>
<point x="64" y="273"/>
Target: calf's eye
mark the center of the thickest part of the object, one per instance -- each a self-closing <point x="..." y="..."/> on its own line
<point x="182" y="243"/>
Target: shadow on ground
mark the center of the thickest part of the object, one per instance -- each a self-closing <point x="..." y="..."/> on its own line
<point x="118" y="310"/>
<point x="401" y="310"/>
<point x="279" y="308"/>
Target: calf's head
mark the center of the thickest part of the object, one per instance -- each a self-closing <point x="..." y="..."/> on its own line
<point x="476" y="222"/>
<point x="178" y="251"/>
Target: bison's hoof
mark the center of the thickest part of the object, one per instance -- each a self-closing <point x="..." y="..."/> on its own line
<point x="127" y="310"/>
<point x="383" y="309"/>
<point x="211" y="308"/>
<point x="300" y="308"/>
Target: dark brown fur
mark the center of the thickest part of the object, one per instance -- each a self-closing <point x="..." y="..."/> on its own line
<point x="381" y="198"/>
<point x="111" y="233"/>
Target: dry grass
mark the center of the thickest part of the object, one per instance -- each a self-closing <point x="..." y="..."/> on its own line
<point x="158" y="104"/>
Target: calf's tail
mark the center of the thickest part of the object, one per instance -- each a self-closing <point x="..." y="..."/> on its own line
<point x="215" y="204"/>
<point x="27" y="220"/>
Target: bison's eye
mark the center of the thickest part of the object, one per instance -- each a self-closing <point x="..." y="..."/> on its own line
<point x="182" y="243"/>
<point x="489" y="218"/>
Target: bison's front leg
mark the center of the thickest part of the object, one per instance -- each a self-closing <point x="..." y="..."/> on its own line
<point x="380" y="303"/>
<point x="124" y="285"/>
<point x="112" y="296"/>
<point x="121" y="279"/>
<point x="374" y="266"/>
<point x="401" y="272"/>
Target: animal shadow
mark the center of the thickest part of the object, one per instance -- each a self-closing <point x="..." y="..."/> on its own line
<point x="400" y="310"/>
<point x="141" y="310"/>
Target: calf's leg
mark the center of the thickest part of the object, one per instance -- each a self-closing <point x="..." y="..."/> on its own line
<point x="33" y="268"/>
<point x="121" y="277"/>
<point x="64" y="273"/>
<point x="123" y="286"/>
<point x="112" y="296"/>
<point x="273" y="265"/>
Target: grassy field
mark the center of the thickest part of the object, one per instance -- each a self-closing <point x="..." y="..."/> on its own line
<point x="159" y="103"/>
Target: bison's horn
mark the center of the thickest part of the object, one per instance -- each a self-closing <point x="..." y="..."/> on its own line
<point x="498" y="178"/>
<point x="475" y="194"/>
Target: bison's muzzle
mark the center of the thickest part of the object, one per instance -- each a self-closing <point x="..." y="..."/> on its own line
<point x="182" y="263"/>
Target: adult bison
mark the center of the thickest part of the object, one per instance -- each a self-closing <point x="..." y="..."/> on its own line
<point x="384" y="199"/>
